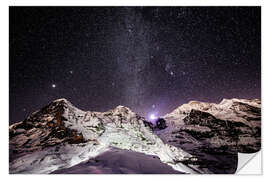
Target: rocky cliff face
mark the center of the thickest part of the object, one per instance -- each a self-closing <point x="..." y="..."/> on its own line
<point x="215" y="132"/>
<point x="60" y="136"/>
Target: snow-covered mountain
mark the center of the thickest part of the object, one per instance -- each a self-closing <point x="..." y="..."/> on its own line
<point x="238" y="110"/>
<point x="215" y="132"/>
<point x="61" y="136"/>
<point x="199" y="138"/>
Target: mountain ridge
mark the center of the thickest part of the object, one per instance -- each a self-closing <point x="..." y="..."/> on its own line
<point x="215" y="131"/>
<point x="59" y="135"/>
<point x="80" y="135"/>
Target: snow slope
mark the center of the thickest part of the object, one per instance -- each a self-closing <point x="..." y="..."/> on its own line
<point x="118" y="161"/>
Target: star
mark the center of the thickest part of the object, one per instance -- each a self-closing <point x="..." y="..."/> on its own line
<point x="74" y="89"/>
<point x="147" y="58"/>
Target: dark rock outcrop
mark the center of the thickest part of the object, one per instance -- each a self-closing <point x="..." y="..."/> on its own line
<point x="161" y="123"/>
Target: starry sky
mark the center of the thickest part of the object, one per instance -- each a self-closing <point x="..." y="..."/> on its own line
<point x="150" y="59"/>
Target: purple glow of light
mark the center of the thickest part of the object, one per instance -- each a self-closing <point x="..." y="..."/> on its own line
<point x="153" y="116"/>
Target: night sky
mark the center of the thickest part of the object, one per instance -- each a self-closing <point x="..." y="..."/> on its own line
<point x="150" y="59"/>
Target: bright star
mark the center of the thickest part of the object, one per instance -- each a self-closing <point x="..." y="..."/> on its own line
<point x="53" y="85"/>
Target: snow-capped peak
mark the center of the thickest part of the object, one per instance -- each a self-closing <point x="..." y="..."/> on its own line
<point x="251" y="102"/>
<point x="122" y="109"/>
<point x="61" y="100"/>
<point x="229" y="109"/>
